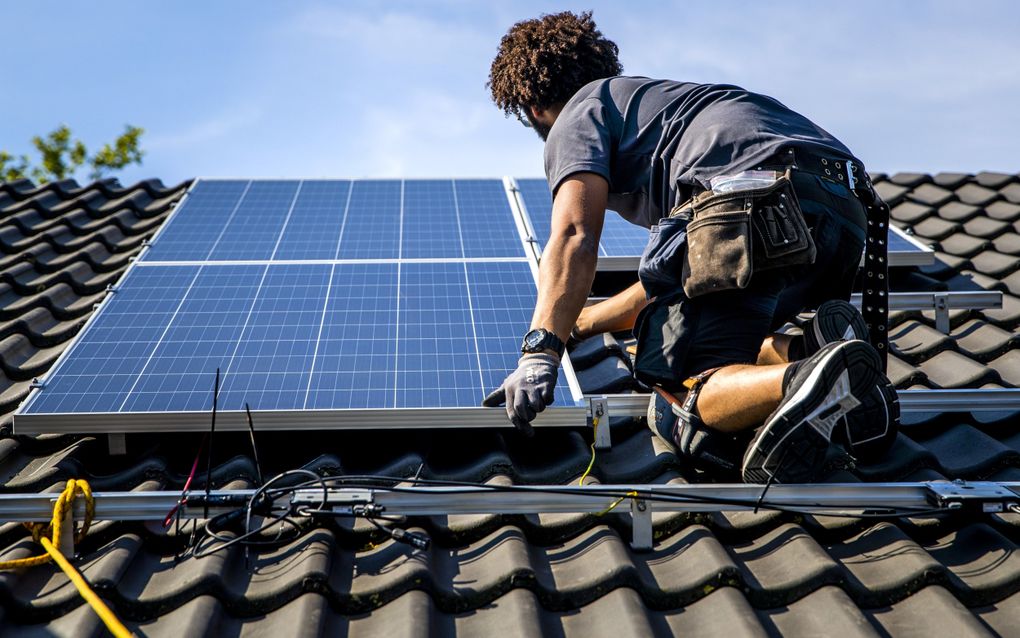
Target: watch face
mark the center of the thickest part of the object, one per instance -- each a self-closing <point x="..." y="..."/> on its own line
<point x="534" y="338"/>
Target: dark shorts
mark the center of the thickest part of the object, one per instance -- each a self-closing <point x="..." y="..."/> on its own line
<point x="721" y="328"/>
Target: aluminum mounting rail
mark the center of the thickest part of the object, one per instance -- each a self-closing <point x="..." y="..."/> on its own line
<point x="941" y="302"/>
<point x="900" y="499"/>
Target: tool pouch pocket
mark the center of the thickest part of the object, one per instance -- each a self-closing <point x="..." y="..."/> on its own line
<point x="663" y="258"/>
<point x="731" y="235"/>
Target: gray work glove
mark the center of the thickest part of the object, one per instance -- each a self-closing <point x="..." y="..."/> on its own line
<point x="527" y="390"/>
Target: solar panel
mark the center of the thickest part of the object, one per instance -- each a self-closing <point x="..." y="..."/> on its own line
<point x="284" y="220"/>
<point x="622" y="243"/>
<point x="399" y="298"/>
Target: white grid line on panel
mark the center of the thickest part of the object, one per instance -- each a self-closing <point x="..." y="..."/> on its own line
<point x="329" y="289"/>
<point x="467" y="283"/>
<point x="396" y="321"/>
<point x="229" y="219"/>
<point x="286" y="220"/>
<point x="169" y="323"/>
<point x="258" y="291"/>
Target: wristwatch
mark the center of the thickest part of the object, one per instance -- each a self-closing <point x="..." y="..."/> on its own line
<point x="541" y="339"/>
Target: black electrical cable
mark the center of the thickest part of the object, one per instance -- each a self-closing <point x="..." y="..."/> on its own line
<point x="367" y="482"/>
<point x="260" y="501"/>
<point x="263" y="500"/>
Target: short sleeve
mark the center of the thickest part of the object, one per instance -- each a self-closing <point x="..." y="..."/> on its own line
<point x="578" y="142"/>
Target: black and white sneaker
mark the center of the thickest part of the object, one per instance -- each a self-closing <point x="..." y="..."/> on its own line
<point x="791" y="445"/>
<point x="835" y="320"/>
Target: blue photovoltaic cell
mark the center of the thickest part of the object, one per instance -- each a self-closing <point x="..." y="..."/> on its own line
<point x="538" y="201"/>
<point x="502" y="302"/>
<point x="253" y="231"/>
<point x="196" y="227"/>
<point x="355" y="362"/>
<point x="431" y="225"/>
<point x="372" y="226"/>
<point x="271" y="366"/>
<point x="286" y="220"/>
<point x="620" y="238"/>
<point x="402" y="334"/>
<point x="340" y="336"/>
<point x="313" y="231"/>
<point x="103" y="365"/>
<point x="437" y="363"/>
<point x="202" y="337"/>
<point x="486" y="220"/>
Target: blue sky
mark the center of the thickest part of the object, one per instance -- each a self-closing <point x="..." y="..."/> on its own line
<point x="352" y="89"/>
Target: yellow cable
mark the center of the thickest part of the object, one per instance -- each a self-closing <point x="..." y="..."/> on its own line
<point x="105" y="614"/>
<point x="591" y="463"/>
<point x="612" y="506"/>
<point x="39" y="530"/>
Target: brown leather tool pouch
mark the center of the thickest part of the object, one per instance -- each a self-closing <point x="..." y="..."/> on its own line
<point x="731" y="235"/>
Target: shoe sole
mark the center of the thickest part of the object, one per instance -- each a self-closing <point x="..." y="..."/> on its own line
<point x="797" y="436"/>
<point x="837" y="320"/>
<point x="868" y="431"/>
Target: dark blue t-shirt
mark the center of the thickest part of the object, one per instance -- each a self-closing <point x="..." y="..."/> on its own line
<point x="656" y="140"/>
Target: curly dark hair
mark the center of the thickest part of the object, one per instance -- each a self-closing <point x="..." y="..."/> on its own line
<point x="544" y="61"/>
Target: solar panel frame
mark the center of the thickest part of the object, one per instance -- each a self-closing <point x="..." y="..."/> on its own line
<point x="301" y="418"/>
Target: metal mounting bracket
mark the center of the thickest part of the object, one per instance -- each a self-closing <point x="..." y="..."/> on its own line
<point x="600" y="410"/>
<point x="983" y="496"/>
<point x="942" y="312"/>
<point x="641" y="538"/>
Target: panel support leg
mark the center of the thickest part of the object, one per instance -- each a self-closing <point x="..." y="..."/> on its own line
<point x="641" y="525"/>
<point x="942" y="312"/>
<point x="117" y="444"/>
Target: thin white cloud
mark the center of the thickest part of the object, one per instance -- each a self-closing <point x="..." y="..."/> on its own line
<point x="205" y="131"/>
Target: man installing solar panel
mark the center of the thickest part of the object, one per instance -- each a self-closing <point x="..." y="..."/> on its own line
<point x="756" y="214"/>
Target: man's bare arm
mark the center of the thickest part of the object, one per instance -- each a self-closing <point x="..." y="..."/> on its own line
<point x="570" y="256"/>
<point x="619" y="312"/>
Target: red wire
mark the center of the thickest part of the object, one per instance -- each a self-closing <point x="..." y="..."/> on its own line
<point x="187" y="484"/>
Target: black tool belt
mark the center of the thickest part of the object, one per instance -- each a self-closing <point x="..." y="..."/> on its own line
<point x="875" y="289"/>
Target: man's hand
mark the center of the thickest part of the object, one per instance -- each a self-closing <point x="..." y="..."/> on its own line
<point x="527" y="390"/>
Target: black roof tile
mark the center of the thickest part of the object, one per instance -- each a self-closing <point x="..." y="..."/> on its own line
<point x="737" y="572"/>
<point x="1011" y="192"/>
<point x="1006" y="211"/>
<point x="951" y="369"/>
<point x="891" y="193"/>
<point x="1008" y="367"/>
<point x="994" y="180"/>
<point x="1007" y="317"/>
<point x="929" y="194"/>
<point x="932" y="611"/>
<point x="910" y="180"/>
<point x="976" y="195"/>
<point x="982" y="341"/>
<point x="951" y="180"/>
<point x="914" y="341"/>
<point x="1008" y="243"/>
<point x="910" y="212"/>
<point x="957" y="211"/>
<point x="935" y="228"/>
<point x="995" y="264"/>
<point x="985" y="227"/>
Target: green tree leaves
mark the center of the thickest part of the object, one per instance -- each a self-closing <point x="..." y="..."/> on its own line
<point x="61" y="156"/>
